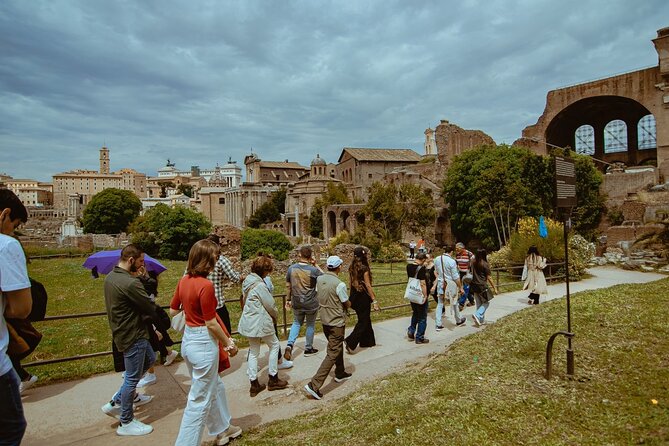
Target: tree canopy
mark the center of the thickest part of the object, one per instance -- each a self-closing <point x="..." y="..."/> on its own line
<point x="490" y="188"/>
<point x="169" y="232"/>
<point x="270" y="210"/>
<point x="111" y="211"/>
<point x="391" y="210"/>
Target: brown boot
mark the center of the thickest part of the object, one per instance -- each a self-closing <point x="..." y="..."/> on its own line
<point x="256" y="388"/>
<point x="276" y="383"/>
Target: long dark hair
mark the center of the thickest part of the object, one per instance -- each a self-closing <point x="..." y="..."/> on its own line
<point x="359" y="266"/>
<point x="480" y="258"/>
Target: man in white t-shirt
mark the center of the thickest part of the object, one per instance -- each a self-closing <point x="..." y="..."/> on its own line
<point x="15" y="302"/>
<point x="448" y="287"/>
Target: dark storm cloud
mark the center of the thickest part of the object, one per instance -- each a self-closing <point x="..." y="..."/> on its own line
<point x="202" y="81"/>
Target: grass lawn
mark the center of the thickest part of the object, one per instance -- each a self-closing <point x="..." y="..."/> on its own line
<point x="488" y="389"/>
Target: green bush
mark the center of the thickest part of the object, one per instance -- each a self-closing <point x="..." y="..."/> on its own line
<point x="169" y="233"/>
<point x="342" y="237"/>
<point x="391" y="253"/>
<point x="551" y="247"/>
<point x="255" y="240"/>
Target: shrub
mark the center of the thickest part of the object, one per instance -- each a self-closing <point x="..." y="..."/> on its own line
<point x="255" y="240"/>
<point x="392" y="252"/>
<point x="168" y="232"/>
<point x="614" y="215"/>
<point x="342" y="237"/>
<point x="551" y="247"/>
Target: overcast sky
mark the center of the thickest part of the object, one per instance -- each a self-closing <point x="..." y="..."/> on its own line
<point x="201" y="81"/>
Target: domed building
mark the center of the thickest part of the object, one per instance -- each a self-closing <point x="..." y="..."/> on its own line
<point x="301" y="195"/>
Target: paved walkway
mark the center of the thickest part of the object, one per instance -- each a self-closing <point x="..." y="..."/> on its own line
<point x="69" y="413"/>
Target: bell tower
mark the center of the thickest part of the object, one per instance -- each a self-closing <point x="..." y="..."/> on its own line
<point x="104" y="160"/>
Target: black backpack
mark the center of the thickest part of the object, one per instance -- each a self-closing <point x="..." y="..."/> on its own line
<point x="40" y="298"/>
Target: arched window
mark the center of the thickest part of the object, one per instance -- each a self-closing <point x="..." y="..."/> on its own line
<point x="585" y="140"/>
<point x="646" y="131"/>
<point x="615" y="136"/>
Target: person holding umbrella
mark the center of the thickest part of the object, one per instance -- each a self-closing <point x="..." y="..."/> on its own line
<point x="126" y="301"/>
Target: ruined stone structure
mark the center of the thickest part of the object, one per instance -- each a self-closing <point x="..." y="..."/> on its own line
<point x="302" y="195"/>
<point x="272" y="172"/>
<point x="452" y="140"/>
<point x="623" y="118"/>
<point x="359" y="168"/>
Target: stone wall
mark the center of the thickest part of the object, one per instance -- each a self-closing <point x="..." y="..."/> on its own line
<point x="617" y="234"/>
<point x="453" y="140"/>
<point x="633" y="210"/>
<point x="618" y="185"/>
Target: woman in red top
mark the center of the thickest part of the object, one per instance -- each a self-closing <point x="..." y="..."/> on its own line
<point x="207" y="403"/>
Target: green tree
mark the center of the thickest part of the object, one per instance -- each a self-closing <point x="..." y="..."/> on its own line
<point x="169" y="232"/>
<point x="390" y="210"/>
<point x="186" y="189"/>
<point x="270" y="210"/>
<point x="164" y="185"/>
<point x="490" y="188"/>
<point x="335" y="194"/>
<point x="273" y="242"/>
<point x="111" y="211"/>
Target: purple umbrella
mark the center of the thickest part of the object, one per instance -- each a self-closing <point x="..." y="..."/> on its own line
<point x="103" y="262"/>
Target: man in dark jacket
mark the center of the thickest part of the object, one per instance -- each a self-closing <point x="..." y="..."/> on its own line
<point x="126" y="302"/>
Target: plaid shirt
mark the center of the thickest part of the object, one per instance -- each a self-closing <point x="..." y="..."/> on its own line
<point x="223" y="270"/>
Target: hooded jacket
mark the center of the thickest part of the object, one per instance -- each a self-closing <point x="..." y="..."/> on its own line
<point x="260" y="311"/>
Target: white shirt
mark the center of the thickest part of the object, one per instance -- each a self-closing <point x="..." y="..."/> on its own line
<point x="450" y="268"/>
<point x="13" y="277"/>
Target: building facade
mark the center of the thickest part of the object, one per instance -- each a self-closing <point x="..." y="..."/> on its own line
<point x="87" y="183"/>
<point x="359" y="168"/>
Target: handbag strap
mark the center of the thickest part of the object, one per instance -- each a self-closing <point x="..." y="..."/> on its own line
<point x="415" y="276"/>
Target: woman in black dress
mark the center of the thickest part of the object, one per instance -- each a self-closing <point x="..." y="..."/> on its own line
<point x="362" y="299"/>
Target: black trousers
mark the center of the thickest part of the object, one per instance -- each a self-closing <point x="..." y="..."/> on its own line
<point x="534" y="297"/>
<point x="225" y="317"/>
<point x="363" y="333"/>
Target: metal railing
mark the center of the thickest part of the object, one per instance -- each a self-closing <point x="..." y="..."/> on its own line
<point x="284" y="324"/>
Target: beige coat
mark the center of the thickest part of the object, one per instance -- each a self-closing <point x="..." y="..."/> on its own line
<point x="535" y="281"/>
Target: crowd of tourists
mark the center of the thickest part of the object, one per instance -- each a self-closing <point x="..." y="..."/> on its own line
<point x="140" y="327"/>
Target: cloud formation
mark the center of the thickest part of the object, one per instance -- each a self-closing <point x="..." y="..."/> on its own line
<point x="199" y="82"/>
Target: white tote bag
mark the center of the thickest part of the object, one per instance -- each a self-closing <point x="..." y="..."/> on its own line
<point x="179" y="322"/>
<point x="413" y="292"/>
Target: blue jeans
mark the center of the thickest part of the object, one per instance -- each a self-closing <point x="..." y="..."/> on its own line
<point x="138" y="358"/>
<point x="298" y="319"/>
<point x="466" y="296"/>
<point x="12" y="421"/>
<point x="418" y="320"/>
<point x="481" y="306"/>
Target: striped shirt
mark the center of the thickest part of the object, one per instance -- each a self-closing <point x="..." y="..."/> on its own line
<point x="464" y="259"/>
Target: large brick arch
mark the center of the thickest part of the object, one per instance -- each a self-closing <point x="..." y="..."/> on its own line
<point x="628" y="97"/>
<point x="598" y="111"/>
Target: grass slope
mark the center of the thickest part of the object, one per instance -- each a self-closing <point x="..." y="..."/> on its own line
<point x="488" y="388"/>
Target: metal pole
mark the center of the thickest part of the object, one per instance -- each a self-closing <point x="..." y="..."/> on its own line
<point x="570" y="351"/>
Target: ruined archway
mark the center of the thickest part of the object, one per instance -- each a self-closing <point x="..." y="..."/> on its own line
<point x="614" y="121"/>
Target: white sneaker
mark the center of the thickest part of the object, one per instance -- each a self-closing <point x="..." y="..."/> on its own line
<point x="285" y="364"/>
<point x="230" y="433"/>
<point x="111" y="409"/>
<point x="147" y="380"/>
<point x="134" y="428"/>
<point x="169" y="359"/>
<point x="25" y="385"/>
<point x="141" y="399"/>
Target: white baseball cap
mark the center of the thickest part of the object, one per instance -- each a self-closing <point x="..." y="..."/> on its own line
<point x="334" y="262"/>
